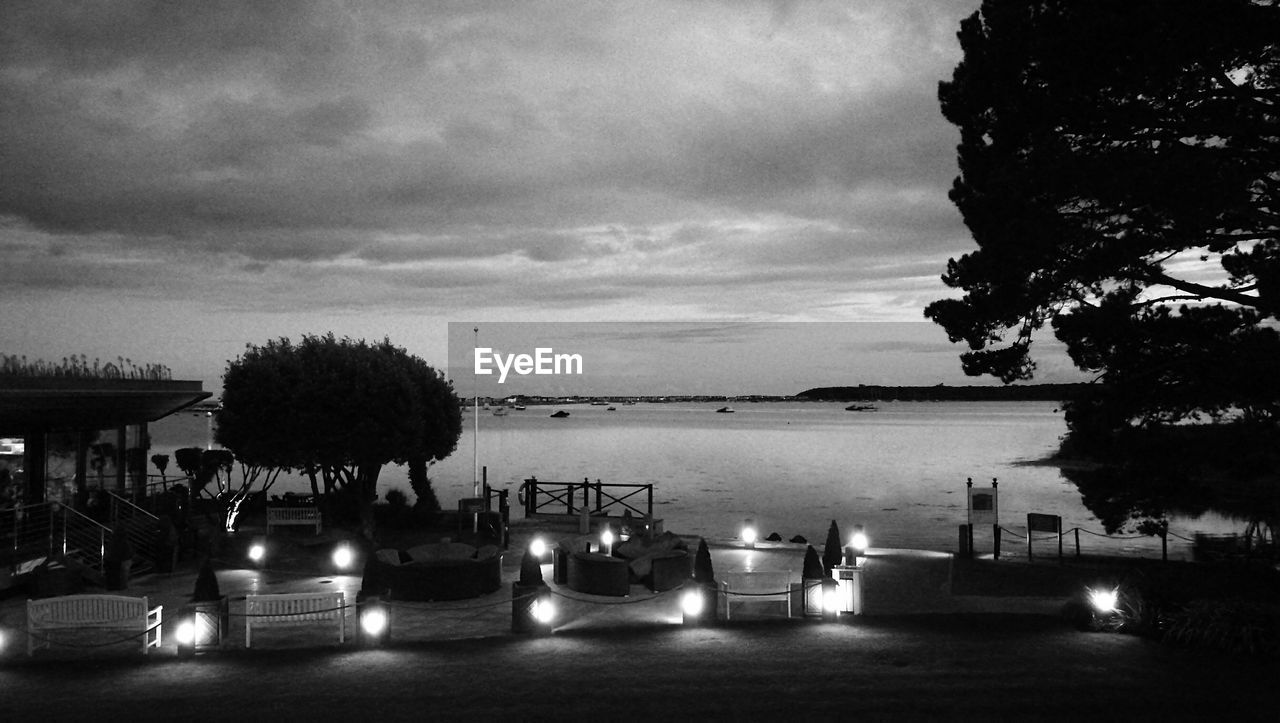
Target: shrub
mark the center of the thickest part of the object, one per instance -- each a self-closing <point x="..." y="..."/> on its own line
<point x="1234" y="625"/>
<point x="397" y="499"/>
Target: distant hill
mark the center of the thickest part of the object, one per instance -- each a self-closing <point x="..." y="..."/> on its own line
<point x="944" y="393"/>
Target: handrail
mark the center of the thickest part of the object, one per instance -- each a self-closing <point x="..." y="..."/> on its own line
<point x="538" y="496"/>
<point x="136" y="510"/>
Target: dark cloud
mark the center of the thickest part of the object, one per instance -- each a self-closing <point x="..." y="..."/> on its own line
<point x="592" y="152"/>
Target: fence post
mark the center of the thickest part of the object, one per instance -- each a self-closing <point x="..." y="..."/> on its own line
<point x="586" y="493"/>
<point x="650" y="489"/>
<point x="995" y="529"/>
<point x="599" y="507"/>
<point x="1077" y="542"/>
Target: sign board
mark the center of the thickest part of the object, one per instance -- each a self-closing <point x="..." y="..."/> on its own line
<point x="471" y="505"/>
<point x="984" y="506"/>
<point x="1043" y="523"/>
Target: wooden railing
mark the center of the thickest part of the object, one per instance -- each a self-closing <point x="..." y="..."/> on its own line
<point x="570" y="498"/>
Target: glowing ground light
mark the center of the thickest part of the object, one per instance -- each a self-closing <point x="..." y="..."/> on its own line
<point x="374" y="622"/>
<point x="543" y="611"/>
<point x="1104" y="601"/>
<point x="537" y="548"/>
<point x="691" y="603"/>
<point x="342" y="557"/>
<point x="257" y="551"/>
<point x="831" y="600"/>
<point x="606" y="541"/>
<point x="186" y="633"/>
<point x="749" y="535"/>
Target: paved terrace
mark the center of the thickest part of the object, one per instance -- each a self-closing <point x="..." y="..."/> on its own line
<point x="895" y="582"/>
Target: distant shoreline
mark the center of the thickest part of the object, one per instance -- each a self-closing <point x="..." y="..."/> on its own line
<point x="860" y="393"/>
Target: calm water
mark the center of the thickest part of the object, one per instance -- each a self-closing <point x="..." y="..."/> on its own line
<point x="792" y="468"/>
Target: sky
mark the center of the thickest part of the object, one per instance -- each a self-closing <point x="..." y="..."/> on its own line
<point x="181" y="179"/>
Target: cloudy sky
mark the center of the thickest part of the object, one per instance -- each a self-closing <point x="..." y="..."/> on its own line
<point x="182" y="178"/>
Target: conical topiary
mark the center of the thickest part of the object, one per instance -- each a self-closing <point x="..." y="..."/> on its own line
<point x="812" y="565"/>
<point x="370" y="581"/>
<point x="530" y="570"/>
<point x="206" y="583"/>
<point x="702" y="570"/>
<point x="832" y="553"/>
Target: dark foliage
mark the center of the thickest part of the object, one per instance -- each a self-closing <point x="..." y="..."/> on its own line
<point x="1120" y="171"/>
<point x="530" y="570"/>
<point x="812" y="565"/>
<point x="833" y="551"/>
<point x="338" y="410"/>
<point x="206" y="583"/>
<point x="703" y="573"/>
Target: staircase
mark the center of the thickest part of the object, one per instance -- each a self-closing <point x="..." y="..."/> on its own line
<point x="33" y="533"/>
<point x="140" y="526"/>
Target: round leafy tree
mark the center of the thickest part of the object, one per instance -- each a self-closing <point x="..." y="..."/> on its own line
<point x="338" y="410"/>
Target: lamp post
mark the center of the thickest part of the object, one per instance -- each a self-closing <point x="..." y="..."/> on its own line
<point x="532" y="604"/>
<point x="849" y="588"/>
<point x="202" y="625"/>
<point x="375" y="621"/>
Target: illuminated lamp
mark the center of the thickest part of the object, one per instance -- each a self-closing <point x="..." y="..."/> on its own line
<point x="375" y="621"/>
<point x="201" y="626"/>
<point x="857" y="548"/>
<point x="749" y="533"/>
<point x="821" y="598"/>
<point x="1104" y="601"/>
<point x="538" y="548"/>
<point x="257" y="553"/>
<point x="698" y="604"/>
<point x="343" y="557"/>
<point x="606" y="541"/>
<point x="532" y="607"/>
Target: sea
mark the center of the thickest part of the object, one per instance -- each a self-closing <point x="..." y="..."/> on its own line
<point x="900" y="470"/>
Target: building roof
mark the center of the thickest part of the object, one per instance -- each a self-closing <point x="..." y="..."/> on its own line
<point x="30" y="404"/>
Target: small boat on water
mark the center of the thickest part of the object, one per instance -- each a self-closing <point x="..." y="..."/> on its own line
<point x="500" y="412"/>
<point x="519" y="407"/>
<point x="724" y="410"/>
<point x="560" y="414"/>
<point x="611" y="409"/>
<point x="860" y="408"/>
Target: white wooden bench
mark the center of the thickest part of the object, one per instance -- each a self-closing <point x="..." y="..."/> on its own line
<point x="303" y="609"/>
<point x="92" y="612"/>
<point x="282" y="516"/>
<point x="750" y="589"/>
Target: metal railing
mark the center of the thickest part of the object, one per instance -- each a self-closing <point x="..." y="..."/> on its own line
<point x="32" y="533"/>
<point x="562" y="498"/>
<point x="140" y="526"/>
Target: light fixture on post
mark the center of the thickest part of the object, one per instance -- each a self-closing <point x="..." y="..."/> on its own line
<point x="374" y="618"/>
<point x="201" y="626"/>
<point x="533" y="607"/>
<point x="606" y="541"/>
<point x="749" y="533"/>
<point x="699" y="596"/>
<point x="538" y="548"/>
<point x="813" y="581"/>
<point x="857" y="548"/>
<point x="849" y="588"/>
